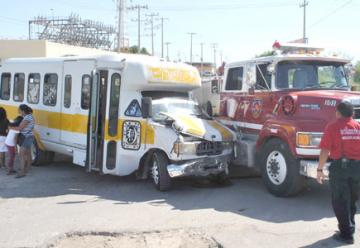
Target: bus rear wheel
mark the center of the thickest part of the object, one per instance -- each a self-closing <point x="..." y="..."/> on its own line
<point x="159" y="173"/>
<point x="40" y="157"/>
<point x="280" y="169"/>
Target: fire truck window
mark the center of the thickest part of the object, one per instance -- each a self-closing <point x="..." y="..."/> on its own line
<point x="263" y="77"/>
<point x="33" y="93"/>
<point x="85" y="92"/>
<point x="234" y="79"/>
<point x="5" y="86"/>
<point x="50" y="89"/>
<point x="19" y="83"/>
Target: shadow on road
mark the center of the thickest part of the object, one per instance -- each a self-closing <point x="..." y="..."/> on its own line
<point x="326" y="243"/>
<point x="245" y="196"/>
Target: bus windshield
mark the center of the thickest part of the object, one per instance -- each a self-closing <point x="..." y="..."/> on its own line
<point x="176" y="106"/>
<point x="310" y="75"/>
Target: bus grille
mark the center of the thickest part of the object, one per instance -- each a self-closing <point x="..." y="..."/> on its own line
<point x="209" y="148"/>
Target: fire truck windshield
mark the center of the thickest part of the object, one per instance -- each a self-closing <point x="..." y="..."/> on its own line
<point x="310" y="75"/>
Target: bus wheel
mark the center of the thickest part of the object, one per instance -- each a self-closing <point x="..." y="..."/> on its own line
<point x="280" y="169"/>
<point x="159" y="173"/>
<point x="209" y="109"/>
<point x="40" y="157"/>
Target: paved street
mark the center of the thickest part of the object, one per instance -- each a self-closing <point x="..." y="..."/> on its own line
<point x="62" y="199"/>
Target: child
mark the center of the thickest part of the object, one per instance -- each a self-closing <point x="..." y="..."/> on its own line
<point x="4" y="125"/>
<point x="11" y="142"/>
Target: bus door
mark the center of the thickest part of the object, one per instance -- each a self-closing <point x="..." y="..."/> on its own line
<point x="96" y="120"/>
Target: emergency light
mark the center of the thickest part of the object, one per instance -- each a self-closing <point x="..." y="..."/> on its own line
<point x="296" y="48"/>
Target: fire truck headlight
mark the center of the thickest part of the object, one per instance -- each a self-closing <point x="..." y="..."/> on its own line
<point x="307" y="139"/>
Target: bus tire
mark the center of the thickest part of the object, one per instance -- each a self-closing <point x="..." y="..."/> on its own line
<point x="40" y="157"/>
<point x="159" y="173"/>
<point x="209" y="109"/>
<point x="280" y="169"/>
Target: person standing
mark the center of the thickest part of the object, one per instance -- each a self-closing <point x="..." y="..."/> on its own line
<point x="341" y="142"/>
<point x="11" y="142"/>
<point x="4" y="125"/>
<point x="26" y="138"/>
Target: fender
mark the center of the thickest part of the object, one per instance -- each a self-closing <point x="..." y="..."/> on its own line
<point x="284" y="130"/>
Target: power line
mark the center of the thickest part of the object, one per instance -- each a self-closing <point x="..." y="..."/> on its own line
<point x="330" y="14"/>
<point x="138" y="8"/>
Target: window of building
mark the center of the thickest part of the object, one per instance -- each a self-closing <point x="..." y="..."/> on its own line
<point x="50" y="89"/>
<point x="19" y="86"/>
<point x="234" y="79"/>
<point x="67" y="91"/>
<point x="114" y="104"/>
<point x="85" y="92"/>
<point x="33" y="93"/>
<point x="5" y="86"/>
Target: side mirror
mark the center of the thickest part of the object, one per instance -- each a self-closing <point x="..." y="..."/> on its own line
<point x="146" y="107"/>
<point x="353" y="88"/>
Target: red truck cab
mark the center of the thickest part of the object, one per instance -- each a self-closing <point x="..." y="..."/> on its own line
<point x="280" y="106"/>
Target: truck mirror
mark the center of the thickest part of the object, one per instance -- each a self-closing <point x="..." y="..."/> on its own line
<point x="353" y="88"/>
<point x="146" y="107"/>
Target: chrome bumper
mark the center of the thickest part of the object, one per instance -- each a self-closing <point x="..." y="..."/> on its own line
<point x="200" y="167"/>
<point x="308" y="168"/>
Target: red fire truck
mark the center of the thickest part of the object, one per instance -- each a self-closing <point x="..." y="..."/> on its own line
<point x="280" y="106"/>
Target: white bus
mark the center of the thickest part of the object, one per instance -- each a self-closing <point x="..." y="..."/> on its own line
<point x="117" y="115"/>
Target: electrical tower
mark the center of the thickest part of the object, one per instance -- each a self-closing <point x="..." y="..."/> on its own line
<point x="138" y="8"/>
<point x="152" y="27"/>
<point x="304" y="5"/>
<point x="72" y="31"/>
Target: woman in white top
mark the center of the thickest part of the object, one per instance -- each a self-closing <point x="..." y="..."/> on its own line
<point x="4" y="125"/>
<point x="11" y="142"/>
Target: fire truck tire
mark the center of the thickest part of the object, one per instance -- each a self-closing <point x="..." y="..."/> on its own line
<point x="280" y="170"/>
<point x="159" y="173"/>
<point x="40" y="157"/>
<point x="209" y="109"/>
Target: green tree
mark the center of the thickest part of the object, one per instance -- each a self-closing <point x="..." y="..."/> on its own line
<point x="357" y="72"/>
<point x="265" y="54"/>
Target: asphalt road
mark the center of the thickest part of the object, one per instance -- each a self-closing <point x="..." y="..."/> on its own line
<point x="62" y="198"/>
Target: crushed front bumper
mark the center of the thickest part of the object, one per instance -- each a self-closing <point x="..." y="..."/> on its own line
<point x="200" y="167"/>
<point x="308" y="168"/>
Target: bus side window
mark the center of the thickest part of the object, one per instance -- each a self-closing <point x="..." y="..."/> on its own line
<point x="50" y="89"/>
<point x="19" y="83"/>
<point x="67" y="94"/>
<point x="33" y="88"/>
<point x="5" y="86"/>
<point x="114" y="104"/>
<point x="85" y="92"/>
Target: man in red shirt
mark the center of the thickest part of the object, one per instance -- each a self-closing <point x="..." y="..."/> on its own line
<point x="341" y="142"/>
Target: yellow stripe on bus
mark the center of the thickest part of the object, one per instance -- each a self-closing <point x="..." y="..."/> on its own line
<point x="76" y="123"/>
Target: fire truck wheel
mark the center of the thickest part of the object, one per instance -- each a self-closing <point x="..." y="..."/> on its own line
<point x="280" y="170"/>
<point x="40" y="157"/>
<point x="209" y="109"/>
<point x="159" y="173"/>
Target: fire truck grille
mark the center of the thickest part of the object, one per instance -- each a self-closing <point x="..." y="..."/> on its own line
<point x="209" y="148"/>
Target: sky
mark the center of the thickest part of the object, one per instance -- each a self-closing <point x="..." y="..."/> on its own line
<point x="240" y="28"/>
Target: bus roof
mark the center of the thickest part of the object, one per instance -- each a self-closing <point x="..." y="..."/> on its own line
<point x="139" y="72"/>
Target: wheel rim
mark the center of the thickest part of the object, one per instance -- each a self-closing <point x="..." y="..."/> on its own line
<point x="155" y="171"/>
<point x="276" y="167"/>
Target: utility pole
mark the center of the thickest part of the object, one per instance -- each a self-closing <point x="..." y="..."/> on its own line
<point x="138" y="7"/>
<point x="303" y="5"/>
<point x="202" y="59"/>
<point x="214" y="46"/>
<point x="191" y="42"/>
<point x="121" y="7"/>
<point x="162" y="35"/>
<point x="151" y="21"/>
<point x="167" y="50"/>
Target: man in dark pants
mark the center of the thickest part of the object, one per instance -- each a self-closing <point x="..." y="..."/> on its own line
<point x="341" y="142"/>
